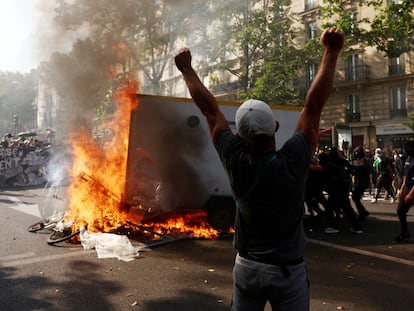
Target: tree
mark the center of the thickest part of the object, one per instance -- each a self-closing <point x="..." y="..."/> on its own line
<point x="390" y="30"/>
<point x="149" y="29"/>
<point x="261" y="39"/>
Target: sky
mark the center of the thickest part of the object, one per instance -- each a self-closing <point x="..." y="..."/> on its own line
<point x="28" y="34"/>
<point x="18" y="22"/>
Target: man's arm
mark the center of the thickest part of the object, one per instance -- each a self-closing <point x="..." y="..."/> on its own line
<point x="318" y="93"/>
<point x="202" y="97"/>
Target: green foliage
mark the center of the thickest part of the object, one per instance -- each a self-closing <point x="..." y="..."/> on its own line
<point x="259" y="34"/>
<point x="390" y="30"/>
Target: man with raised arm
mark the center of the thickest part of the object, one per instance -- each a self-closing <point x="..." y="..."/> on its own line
<point x="268" y="185"/>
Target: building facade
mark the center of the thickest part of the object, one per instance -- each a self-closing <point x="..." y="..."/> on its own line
<point x="373" y="95"/>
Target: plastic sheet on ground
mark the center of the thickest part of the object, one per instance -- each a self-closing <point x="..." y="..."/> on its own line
<point x="109" y="245"/>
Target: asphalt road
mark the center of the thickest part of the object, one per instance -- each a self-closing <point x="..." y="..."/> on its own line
<point x="347" y="272"/>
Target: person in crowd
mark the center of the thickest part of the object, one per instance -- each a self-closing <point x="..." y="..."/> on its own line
<point x="384" y="170"/>
<point x="6" y="139"/>
<point x="268" y="185"/>
<point x="15" y="143"/>
<point x="370" y="155"/>
<point x="315" y="184"/>
<point x="338" y="172"/>
<point x="361" y="173"/>
<point x="398" y="165"/>
<point x="407" y="194"/>
<point x="314" y="196"/>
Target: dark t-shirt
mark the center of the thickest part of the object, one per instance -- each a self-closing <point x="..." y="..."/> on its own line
<point x="409" y="177"/>
<point x="270" y="192"/>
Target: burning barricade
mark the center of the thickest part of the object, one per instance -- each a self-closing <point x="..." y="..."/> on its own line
<point x="133" y="186"/>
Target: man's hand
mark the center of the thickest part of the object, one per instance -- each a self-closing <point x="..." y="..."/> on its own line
<point x="183" y="60"/>
<point x="332" y="39"/>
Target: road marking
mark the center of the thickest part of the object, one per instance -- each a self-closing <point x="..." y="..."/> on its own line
<point x="363" y="252"/>
<point x="13" y="257"/>
<point x="31" y="209"/>
<point x="9" y="261"/>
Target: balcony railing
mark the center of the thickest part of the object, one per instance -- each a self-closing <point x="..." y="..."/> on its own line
<point x="353" y="74"/>
<point x="394" y="70"/>
<point x="352" y="116"/>
<point x="399" y="113"/>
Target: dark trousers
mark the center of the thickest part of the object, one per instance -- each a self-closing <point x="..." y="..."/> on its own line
<point x="340" y="201"/>
<point x="402" y="211"/>
<point x="357" y="194"/>
<point x="386" y="182"/>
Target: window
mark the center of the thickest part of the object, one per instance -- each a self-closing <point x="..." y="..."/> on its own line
<point x="397" y="65"/>
<point x="310" y="4"/>
<point x="311" y="73"/>
<point x="352" y="67"/>
<point x="353" y="113"/>
<point x="353" y="103"/>
<point x="398" y="102"/>
<point x="353" y="16"/>
<point x="311" y="29"/>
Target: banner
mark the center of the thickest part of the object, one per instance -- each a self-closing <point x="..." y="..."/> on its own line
<point x="23" y="167"/>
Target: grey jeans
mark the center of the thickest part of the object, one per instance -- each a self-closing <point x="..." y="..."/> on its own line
<point x="255" y="283"/>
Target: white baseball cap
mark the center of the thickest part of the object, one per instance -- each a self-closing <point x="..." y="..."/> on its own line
<point x="254" y="117"/>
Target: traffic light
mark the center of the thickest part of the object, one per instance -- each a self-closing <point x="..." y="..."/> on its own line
<point x="15" y="120"/>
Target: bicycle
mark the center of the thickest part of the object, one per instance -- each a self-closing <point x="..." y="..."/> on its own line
<point x="60" y="230"/>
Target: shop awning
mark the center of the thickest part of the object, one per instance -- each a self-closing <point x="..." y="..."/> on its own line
<point x="393" y="129"/>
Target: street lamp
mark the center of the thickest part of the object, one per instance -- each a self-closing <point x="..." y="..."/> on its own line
<point x="15" y="123"/>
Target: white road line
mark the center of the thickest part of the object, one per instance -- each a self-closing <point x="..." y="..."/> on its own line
<point x="363" y="252"/>
<point x="31" y="209"/>
<point x="18" y="256"/>
<point x="5" y="262"/>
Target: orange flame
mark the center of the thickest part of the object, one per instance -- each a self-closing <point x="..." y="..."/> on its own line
<point x="96" y="192"/>
<point x="97" y="169"/>
<point x="189" y="224"/>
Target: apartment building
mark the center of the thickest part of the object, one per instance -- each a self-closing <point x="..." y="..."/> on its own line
<point x="372" y="97"/>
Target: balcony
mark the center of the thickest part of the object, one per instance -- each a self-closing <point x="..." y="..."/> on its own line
<point x="352" y="116"/>
<point x="394" y="70"/>
<point x="353" y="74"/>
<point x="395" y="113"/>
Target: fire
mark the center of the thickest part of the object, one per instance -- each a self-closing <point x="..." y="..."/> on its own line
<point x="99" y="172"/>
<point x="188" y="224"/>
<point x="97" y="197"/>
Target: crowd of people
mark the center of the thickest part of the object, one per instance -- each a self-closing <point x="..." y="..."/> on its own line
<point x="334" y="180"/>
<point x="22" y="141"/>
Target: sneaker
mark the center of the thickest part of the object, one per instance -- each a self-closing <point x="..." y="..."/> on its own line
<point x="330" y="230"/>
<point x="403" y="237"/>
<point x="374" y="201"/>
<point x="356" y="230"/>
<point x="392" y="200"/>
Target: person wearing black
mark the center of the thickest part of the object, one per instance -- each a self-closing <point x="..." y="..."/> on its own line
<point x="314" y="194"/>
<point x="338" y="174"/>
<point x="399" y="171"/>
<point x="385" y="172"/>
<point x="407" y="194"/>
<point x="361" y="172"/>
<point x="268" y="185"/>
